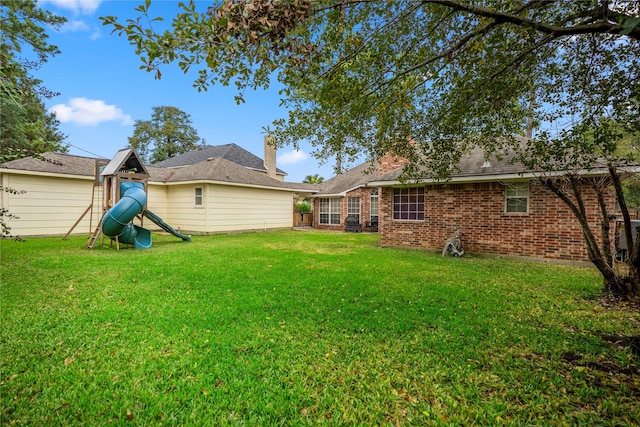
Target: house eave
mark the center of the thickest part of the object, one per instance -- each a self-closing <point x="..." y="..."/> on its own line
<point x="343" y="193"/>
<point x="47" y="174"/>
<point x="304" y="190"/>
<point x="500" y="177"/>
<point x="218" y="182"/>
<point x="331" y="195"/>
<point x="152" y="182"/>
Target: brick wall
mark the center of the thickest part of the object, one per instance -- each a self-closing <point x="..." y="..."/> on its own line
<point x="549" y="230"/>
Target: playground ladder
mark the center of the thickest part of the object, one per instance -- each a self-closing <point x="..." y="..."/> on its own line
<point x="94" y="237"/>
<point x="86" y="211"/>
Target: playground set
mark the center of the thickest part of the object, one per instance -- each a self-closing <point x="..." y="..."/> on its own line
<point x="123" y="183"/>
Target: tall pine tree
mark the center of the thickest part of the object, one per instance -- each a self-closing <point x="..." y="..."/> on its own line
<point x="26" y="128"/>
<point x="167" y="134"/>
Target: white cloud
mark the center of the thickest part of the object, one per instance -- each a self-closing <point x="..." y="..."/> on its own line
<point x="96" y="34"/>
<point x="89" y="112"/>
<point x="85" y="7"/>
<point x="74" y="25"/>
<point x="291" y="157"/>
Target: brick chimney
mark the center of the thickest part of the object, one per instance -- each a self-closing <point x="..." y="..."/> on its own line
<point x="270" y="157"/>
<point x="391" y="161"/>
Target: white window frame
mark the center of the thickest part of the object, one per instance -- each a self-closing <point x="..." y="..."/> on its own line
<point x="374" y="205"/>
<point x="515" y="195"/>
<point x="198" y="199"/>
<point x="329" y="208"/>
<point x="353" y="207"/>
<point x="409" y="204"/>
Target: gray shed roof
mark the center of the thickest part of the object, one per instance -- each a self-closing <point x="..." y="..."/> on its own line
<point x="230" y="152"/>
<point x="127" y="158"/>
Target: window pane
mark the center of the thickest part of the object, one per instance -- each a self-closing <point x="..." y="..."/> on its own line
<point x="517" y="198"/>
<point x="408" y="203"/>
<point x="329" y="211"/>
<point x="353" y="206"/>
<point x="517" y="205"/>
<point x="374" y="206"/>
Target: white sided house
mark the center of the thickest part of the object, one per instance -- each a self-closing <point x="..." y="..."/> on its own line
<point x="58" y="193"/>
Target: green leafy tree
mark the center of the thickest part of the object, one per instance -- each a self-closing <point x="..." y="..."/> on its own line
<point x="629" y="148"/>
<point x="167" y="134"/>
<point x="26" y="128"/>
<point x="428" y="80"/>
<point x="303" y="208"/>
<point x="313" y="179"/>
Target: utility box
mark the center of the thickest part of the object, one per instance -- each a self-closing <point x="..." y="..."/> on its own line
<point x="622" y="248"/>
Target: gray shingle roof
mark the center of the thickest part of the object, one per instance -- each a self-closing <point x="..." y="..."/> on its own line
<point x="217" y="169"/>
<point x="353" y="178"/>
<point x="472" y="165"/>
<point x="222" y="170"/>
<point x="216" y="166"/>
<point x="55" y="163"/>
<point x="230" y="152"/>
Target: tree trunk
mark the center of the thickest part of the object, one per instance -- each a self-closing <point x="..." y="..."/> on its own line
<point x="631" y="288"/>
<point x="621" y="280"/>
<point x="622" y="286"/>
<point x="630" y="284"/>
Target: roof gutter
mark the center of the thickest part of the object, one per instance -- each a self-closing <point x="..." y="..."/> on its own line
<point x="501" y="177"/>
<point x="229" y="183"/>
<point x="49" y="174"/>
<point x="344" y="193"/>
<point x="151" y="181"/>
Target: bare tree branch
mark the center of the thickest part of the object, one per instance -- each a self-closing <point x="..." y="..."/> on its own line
<point x="599" y="27"/>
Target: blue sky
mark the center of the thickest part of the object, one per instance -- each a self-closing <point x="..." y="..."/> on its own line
<point x="103" y="91"/>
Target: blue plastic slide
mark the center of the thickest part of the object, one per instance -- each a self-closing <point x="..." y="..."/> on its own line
<point x="166" y="227"/>
<point x="117" y="220"/>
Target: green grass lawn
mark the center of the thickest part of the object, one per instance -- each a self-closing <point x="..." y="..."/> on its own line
<point x="297" y="328"/>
